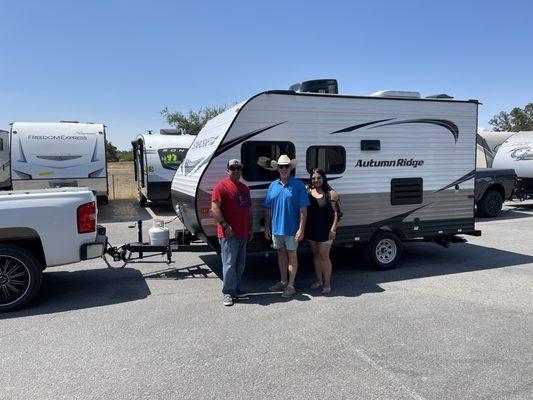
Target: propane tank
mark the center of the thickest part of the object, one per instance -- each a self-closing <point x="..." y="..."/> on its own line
<point x="159" y="234"/>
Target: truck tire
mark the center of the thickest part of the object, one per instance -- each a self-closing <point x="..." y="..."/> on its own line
<point x="384" y="250"/>
<point x="20" y="277"/>
<point x="490" y="204"/>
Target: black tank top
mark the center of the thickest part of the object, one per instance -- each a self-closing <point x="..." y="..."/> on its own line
<point x="320" y="218"/>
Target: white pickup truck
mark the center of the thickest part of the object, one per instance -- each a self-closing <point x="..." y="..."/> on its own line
<point x="40" y="229"/>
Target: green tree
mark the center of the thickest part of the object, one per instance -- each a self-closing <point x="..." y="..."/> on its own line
<point x="516" y="120"/>
<point x="126" y="155"/>
<point x="111" y="152"/>
<point x="192" y="122"/>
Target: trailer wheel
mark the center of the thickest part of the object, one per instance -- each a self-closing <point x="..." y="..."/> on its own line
<point x="490" y="204"/>
<point x="384" y="250"/>
<point x="143" y="201"/>
<point x="20" y="277"/>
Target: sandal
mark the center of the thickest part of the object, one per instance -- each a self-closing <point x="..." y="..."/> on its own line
<point x="326" y="290"/>
<point x="316" y="285"/>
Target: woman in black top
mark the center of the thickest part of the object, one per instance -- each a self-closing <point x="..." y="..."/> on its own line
<point x="321" y="227"/>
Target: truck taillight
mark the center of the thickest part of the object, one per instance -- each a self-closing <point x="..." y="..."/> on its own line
<point x="87" y="217"/>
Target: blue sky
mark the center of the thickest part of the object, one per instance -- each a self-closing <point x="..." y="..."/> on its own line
<point x="121" y="62"/>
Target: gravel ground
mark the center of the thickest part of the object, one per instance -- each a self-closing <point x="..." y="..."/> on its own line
<point x="450" y="323"/>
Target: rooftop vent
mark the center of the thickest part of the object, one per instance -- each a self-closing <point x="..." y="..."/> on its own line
<point x="397" y="93"/>
<point x="440" y="96"/>
<point x="169" y="131"/>
<point x="316" y="86"/>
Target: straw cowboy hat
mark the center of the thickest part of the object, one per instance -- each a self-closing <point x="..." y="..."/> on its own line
<point x="284" y="160"/>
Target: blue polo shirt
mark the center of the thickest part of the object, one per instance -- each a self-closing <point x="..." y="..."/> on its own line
<point x="285" y="203"/>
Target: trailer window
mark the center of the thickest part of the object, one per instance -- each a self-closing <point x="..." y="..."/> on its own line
<point x="332" y="159"/>
<point x="1" y="144"/>
<point x="172" y="158"/>
<point x="256" y="158"/>
<point x="406" y="191"/>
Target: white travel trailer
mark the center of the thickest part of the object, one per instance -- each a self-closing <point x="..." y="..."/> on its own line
<point x="156" y="159"/>
<point x="488" y="144"/>
<point x="63" y="154"/>
<point x="5" y="181"/>
<point x="517" y="153"/>
<point x="403" y="166"/>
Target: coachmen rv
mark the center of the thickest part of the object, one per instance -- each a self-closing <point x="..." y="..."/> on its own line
<point x="403" y="165"/>
<point x="64" y="154"/>
<point x="5" y="174"/>
<point x="156" y="159"/>
<point x="517" y="153"/>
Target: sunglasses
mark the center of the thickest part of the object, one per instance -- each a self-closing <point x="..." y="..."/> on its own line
<point x="235" y="168"/>
<point x="318" y="178"/>
<point x="284" y="166"/>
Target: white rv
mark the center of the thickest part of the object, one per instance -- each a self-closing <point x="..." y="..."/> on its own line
<point x="5" y="181"/>
<point x="403" y="166"/>
<point x="488" y="144"/>
<point x="517" y="153"/>
<point x="64" y="154"/>
<point x="156" y="159"/>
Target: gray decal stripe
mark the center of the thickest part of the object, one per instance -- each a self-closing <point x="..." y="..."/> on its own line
<point x="392" y="220"/>
<point x="449" y="125"/>
<point x="462" y="179"/>
<point x="232" y="143"/>
<point x="354" y="127"/>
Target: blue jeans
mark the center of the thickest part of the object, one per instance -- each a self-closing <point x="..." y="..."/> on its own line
<point x="233" y="254"/>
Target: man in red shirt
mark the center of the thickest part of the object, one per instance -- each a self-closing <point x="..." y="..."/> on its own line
<point x="232" y="208"/>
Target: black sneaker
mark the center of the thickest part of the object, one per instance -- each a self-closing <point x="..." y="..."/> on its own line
<point x="228" y="300"/>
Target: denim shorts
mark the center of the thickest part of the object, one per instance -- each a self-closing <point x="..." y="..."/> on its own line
<point x="285" y="242"/>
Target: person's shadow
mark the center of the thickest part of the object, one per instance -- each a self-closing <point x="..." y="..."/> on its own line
<point x="352" y="276"/>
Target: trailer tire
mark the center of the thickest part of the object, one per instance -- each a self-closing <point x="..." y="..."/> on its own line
<point x="490" y="204"/>
<point x="20" y="277"/>
<point x="384" y="250"/>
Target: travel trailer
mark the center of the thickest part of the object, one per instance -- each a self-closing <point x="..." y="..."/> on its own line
<point x="488" y="144"/>
<point x="403" y="165"/>
<point x="5" y="181"/>
<point x="156" y="159"/>
<point x="517" y="153"/>
<point x="63" y="154"/>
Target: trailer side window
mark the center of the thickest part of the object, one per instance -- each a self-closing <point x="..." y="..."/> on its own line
<point x="1" y="144"/>
<point x="172" y="158"/>
<point x="332" y="159"/>
<point x="406" y="191"/>
<point x="256" y="158"/>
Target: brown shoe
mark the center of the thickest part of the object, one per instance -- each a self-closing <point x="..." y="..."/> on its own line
<point x="288" y="292"/>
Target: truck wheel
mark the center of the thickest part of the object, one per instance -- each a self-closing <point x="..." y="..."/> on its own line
<point x="143" y="201"/>
<point x="490" y="204"/>
<point x="384" y="250"/>
<point x="20" y="277"/>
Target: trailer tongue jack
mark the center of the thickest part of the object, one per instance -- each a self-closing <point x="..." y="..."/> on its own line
<point x="125" y="252"/>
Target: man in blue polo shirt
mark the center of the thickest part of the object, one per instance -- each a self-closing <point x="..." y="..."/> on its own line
<point x="285" y="205"/>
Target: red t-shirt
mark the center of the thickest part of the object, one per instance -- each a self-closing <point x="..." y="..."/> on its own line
<point x="235" y="203"/>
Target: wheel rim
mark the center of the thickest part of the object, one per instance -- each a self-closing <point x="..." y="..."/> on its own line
<point x="386" y="251"/>
<point x="493" y="204"/>
<point x="15" y="280"/>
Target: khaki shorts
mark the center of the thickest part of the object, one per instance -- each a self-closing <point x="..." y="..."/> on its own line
<point x="284" y="242"/>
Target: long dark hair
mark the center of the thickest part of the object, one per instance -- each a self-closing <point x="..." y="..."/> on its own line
<point x="325" y="185"/>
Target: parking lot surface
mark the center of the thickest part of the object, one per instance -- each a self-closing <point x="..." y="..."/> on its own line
<point x="448" y="323"/>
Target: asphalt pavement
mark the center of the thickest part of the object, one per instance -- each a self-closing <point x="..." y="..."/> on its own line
<point x="447" y="323"/>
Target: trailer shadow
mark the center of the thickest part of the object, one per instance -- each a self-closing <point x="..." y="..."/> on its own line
<point x="513" y="212"/>
<point x="353" y="277"/>
<point x="67" y="291"/>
